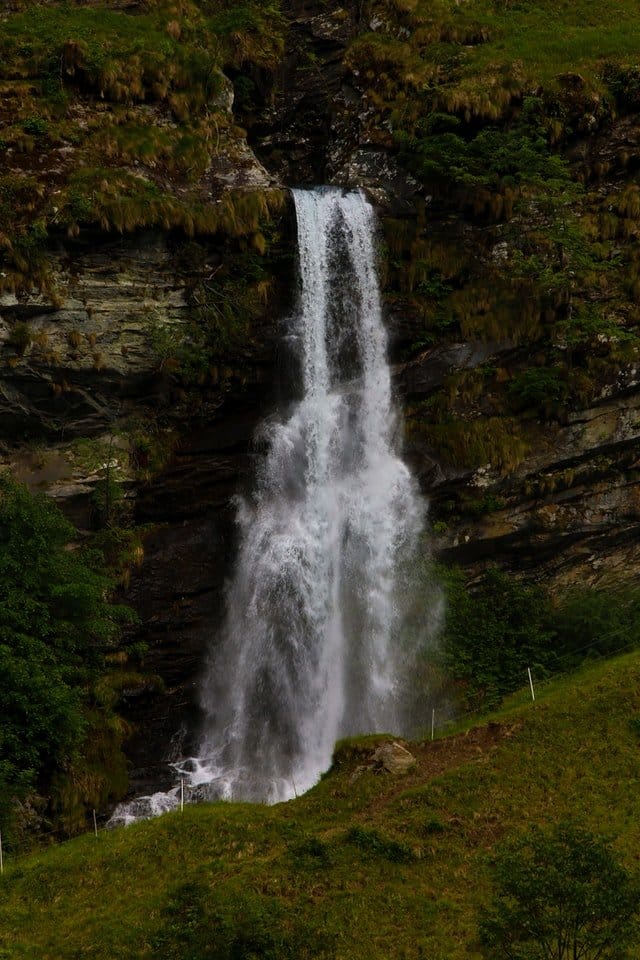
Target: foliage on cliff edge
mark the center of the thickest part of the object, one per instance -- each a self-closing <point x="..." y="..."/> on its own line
<point x="57" y="624"/>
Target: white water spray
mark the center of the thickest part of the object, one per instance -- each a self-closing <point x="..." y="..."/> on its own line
<point x="314" y="647"/>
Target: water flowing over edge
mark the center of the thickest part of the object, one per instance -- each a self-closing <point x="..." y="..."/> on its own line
<point x="323" y="621"/>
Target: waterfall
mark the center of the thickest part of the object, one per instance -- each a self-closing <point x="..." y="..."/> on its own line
<point x="314" y="646"/>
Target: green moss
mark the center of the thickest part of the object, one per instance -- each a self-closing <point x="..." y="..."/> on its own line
<point x="481" y="505"/>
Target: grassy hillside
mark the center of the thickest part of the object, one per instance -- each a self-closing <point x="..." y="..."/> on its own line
<point x="475" y="56"/>
<point x="365" y="865"/>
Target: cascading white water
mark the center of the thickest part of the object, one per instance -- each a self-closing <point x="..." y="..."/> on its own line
<point x="314" y="648"/>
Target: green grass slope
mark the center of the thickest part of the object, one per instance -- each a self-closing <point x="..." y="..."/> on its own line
<point x="366" y="865"/>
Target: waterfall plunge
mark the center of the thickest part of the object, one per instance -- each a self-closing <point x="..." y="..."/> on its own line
<point x="314" y="647"/>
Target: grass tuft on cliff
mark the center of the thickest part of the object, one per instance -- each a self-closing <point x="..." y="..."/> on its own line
<point x="117" y="115"/>
<point x="473" y="58"/>
<point x="365" y="865"/>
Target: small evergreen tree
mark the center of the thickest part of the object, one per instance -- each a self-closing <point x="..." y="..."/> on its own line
<point x="560" y="895"/>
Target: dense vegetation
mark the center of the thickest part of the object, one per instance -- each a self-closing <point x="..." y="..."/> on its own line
<point x="57" y="626"/>
<point x="365" y="865"/>
<point x="501" y="626"/>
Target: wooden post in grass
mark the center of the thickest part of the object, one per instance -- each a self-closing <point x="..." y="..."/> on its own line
<point x="181" y="794"/>
<point x="533" y="696"/>
<point x="95" y="825"/>
<point x="433" y="722"/>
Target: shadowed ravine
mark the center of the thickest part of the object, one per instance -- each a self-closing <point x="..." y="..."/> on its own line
<point x="315" y="645"/>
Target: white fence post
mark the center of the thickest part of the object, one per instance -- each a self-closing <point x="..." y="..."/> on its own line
<point x="533" y="695"/>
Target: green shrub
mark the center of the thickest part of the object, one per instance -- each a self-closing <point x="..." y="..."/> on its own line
<point x="311" y="851"/>
<point x="597" y="622"/>
<point x="433" y="826"/>
<point x="37" y="126"/>
<point x="372" y="842"/>
<point x="539" y="390"/>
<point x="201" y="922"/>
<point x="501" y="626"/>
<point x="107" y="500"/>
<point x="440" y="151"/>
<point x="560" y="894"/>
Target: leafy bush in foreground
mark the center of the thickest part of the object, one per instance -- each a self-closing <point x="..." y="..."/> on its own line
<point x="560" y="895"/>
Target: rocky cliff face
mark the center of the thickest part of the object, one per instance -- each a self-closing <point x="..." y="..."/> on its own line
<point x="139" y="340"/>
<point x="534" y="463"/>
<point x="546" y="486"/>
<point x="93" y="401"/>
